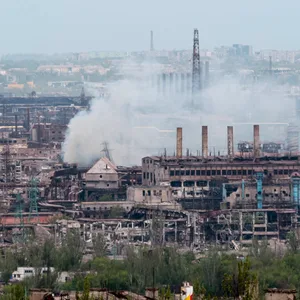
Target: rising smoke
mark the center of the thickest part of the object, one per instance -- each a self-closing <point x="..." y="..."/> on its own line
<point x="137" y="121"/>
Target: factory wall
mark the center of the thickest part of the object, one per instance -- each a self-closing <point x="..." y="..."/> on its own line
<point x="102" y="181"/>
<point x="153" y="195"/>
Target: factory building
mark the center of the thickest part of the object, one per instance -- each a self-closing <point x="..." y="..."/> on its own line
<point x="48" y="133"/>
<point x="106" y="179"/>
<point x="256" y="193"/>
<point x="202" y="176"/>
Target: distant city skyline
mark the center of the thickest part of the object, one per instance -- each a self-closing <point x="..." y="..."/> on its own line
<point x="59" y="26"/>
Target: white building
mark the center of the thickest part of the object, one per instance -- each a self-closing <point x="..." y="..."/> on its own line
<point x="22" y="272"/>
<point x="103" y="175"/>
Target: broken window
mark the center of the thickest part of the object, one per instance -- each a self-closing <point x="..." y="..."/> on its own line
<point x="149" y="193"/>
<point x="202" y="172"/>
<point x="172" y="173"/>
<point x="177" y="173"/>
<point x="223" y="172"/>
<point x="144" y="193"/>
<point x="198" y="172"/>
<point x="192" y="172"/>
<point x="187" y="172"/>
<point x="208" y="172"/>
<point x="213" y="172"/>
<point x="218" y="172"/>
<point x="201" y="183"/>
<point x="175" y="183"/>
<point x="189" y="183"/>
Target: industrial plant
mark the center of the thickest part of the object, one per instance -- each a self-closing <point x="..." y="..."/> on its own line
<point x="187" y="154"/>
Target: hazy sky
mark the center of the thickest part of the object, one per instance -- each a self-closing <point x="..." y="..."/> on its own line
<point x="86" y="25"/>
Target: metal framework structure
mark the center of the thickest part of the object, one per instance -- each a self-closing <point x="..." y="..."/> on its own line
<point x="19" y="215"/>
<point x="106" y="151"/>
<point x="33" y="195"/>
<point x="196" y="76"/>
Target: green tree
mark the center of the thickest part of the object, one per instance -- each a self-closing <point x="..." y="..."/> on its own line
<point x="99" y="245"/>
<point x="241" y="284"/>
<point x="15" y="292"/>
<point x="293" y="241"/>
<point x="70" y="252"/>
<point x="86" y="289"/>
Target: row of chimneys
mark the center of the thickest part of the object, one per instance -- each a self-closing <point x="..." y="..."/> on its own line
<point x="180" y="81"/>
<point x="27" y="119"/>
<point x="230" y="145"/>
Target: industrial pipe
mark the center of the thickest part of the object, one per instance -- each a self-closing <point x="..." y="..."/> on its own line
<point x="204" y="141"/>
<point x="179" y="142"/>
<point x="230" y="147"/>
<point x="256" y="145"/>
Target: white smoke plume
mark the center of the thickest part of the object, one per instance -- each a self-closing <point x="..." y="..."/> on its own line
<point x="138" y="121"/>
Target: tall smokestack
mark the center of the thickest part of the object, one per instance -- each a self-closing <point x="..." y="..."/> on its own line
<point x="206" y="73"/>
<point x="188" y="82"/>
<point x="293" y="138"/>
<point x="202" y="75"/>
<point x="151" y="41"/>
<point x="164" y="79"/>
<point x="158" y="83"/>
<point x="16" y="125"/>
<point x="179" y="142"/>
<point x="204" y="141"/>
<point x="171" y="83"/>
<point x="183" y="83"/>
<point x="177" y="82"/>
<point x="230" y="146"/>
<point x="28" y="118"/>
<point x="256" y="142"/>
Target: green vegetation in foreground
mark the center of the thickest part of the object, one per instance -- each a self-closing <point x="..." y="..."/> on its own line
<point x="215" y="275"/>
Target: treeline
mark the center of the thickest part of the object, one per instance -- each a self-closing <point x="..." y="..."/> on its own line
<point x="215" y="274"/>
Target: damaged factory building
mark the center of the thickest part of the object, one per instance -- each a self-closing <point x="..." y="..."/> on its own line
<point x="237" y="197"/>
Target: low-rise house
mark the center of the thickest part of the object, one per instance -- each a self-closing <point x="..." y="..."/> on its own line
<point x="23" y="272"/>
